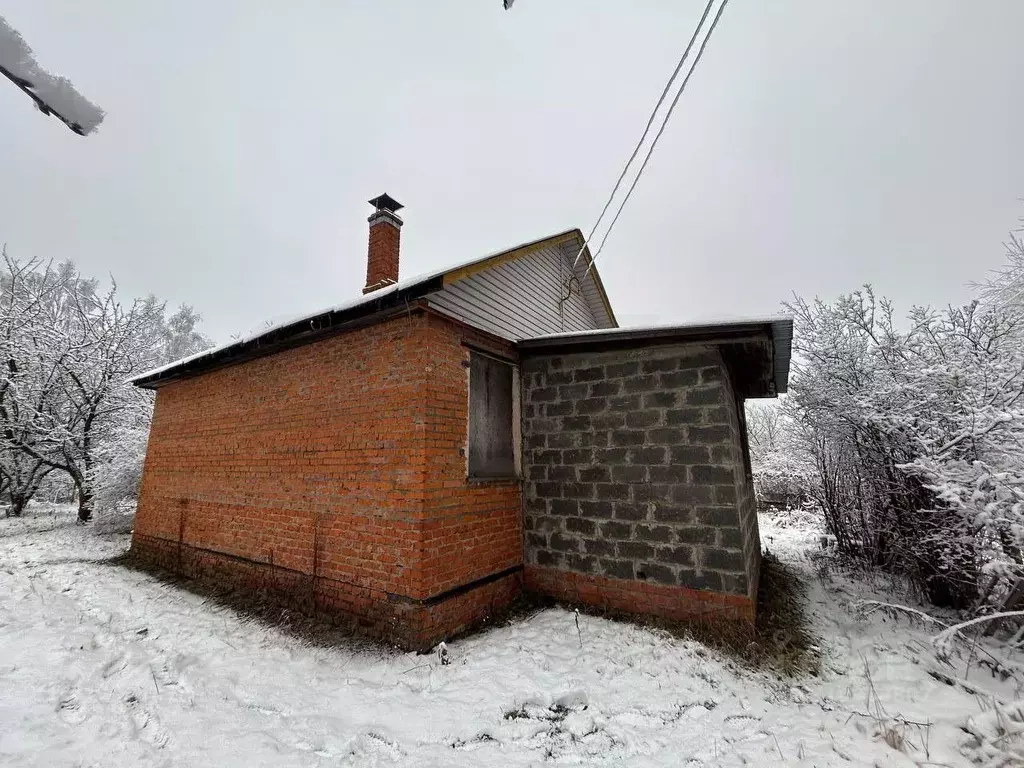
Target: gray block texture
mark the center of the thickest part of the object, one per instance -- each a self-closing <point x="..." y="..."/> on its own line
<point x="636" y="467"/>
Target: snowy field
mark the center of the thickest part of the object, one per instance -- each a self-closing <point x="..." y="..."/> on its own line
<point x="101" y="665"/>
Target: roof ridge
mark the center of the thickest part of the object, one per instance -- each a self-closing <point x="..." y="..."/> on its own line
<point x="377" y="300"/>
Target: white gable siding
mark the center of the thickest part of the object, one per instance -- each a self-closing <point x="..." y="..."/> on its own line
<point x="520" y="298"/>
<point x="590" y="289"/>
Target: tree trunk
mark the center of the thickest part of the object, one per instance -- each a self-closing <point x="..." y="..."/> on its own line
<point x="84" y="483"/>
<point x="85" y="497"/>
<point x="18" y="504"/>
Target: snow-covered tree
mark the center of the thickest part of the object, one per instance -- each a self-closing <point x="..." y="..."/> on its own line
<point x="108" y="342"/>
<point x="120" y="454"/>
<point x="763" y="425"/>
<point x="28" y="380"/>
<point x="783" y="473"/>
<point x="121" y="447"/>
<point x="1005" y="289"/>
<point x="65" y="403"/>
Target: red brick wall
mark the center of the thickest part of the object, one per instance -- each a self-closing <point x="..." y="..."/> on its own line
<point x="641" y="597"/>
<point x="470" y="529"/>
<point x="343" y="460"/>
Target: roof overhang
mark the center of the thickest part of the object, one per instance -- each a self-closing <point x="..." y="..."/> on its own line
<point x="372" y="307"/>
<point x="758" y="350"/>
<point x="376" y="309"/>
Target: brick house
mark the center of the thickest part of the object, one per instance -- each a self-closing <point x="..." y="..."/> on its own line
<point x="412" y="460"/>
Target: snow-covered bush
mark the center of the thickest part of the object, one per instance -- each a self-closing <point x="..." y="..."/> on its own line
<point x="783" y="476"/>
<point x="116" y="518"/>
<point x="117" y="471"/>
<point x="916" y="434"/>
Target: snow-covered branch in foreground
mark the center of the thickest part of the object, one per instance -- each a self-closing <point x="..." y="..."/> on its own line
<point x="943" y="641"/>
<point x="53" y="95"/>
<point x="867" y="607"/>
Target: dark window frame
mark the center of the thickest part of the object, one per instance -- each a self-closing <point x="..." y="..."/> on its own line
<point x="493" y="429"/>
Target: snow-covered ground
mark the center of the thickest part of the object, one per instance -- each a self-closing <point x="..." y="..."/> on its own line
<point x="101" y="665"/>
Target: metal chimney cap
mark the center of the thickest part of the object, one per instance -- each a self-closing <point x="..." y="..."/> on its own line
<point x="386" y="203"/>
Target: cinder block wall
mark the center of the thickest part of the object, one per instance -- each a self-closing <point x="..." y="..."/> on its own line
<point x="331" y="473"/>
<point x="747" y="501"/>
<point x="636" y="495"/>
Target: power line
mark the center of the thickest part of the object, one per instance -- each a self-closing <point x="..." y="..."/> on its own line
<point x="647" y="128"/>
<point x="661" y="130"/>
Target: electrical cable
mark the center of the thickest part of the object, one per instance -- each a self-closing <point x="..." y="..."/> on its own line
<point x="661" y="130"/>
<point x="647" y="128"/>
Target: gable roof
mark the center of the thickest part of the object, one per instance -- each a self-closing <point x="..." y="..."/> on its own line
<point x="309" y="327"/>
<point x="520" y="296"/>
<point x="571" y="242"/>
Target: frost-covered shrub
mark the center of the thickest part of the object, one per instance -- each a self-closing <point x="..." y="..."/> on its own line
<point x="781" y="473"/>
<point x="117" y="471"/>
<point x="916" y="435"/>
<point x="781" y="479"/>
<point x="118" y="518"/>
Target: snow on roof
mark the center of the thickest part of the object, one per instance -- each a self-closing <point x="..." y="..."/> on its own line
<point x="51" y="93"/>
<point x="716" y="322"/>
<point x="272" y="326"/>
<point x="276" y="325"/>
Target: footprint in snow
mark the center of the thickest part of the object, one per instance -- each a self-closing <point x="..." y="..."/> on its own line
<point x="642" y="718"/>
<point x="70" y="710"/>
<point x="114" y="665"/>
<point x="742" y="719"/>
<point x="143" y="725"/>
<point x="476" y="742"/>
<point x="373" y="743"/>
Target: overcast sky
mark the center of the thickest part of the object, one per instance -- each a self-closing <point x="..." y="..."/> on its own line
<point x="820" y="145"/>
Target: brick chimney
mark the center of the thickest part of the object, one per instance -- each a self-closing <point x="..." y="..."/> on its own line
<point x="385" y="236"/>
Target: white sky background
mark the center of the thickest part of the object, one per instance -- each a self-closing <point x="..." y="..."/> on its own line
<point x="820" y="145"/>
